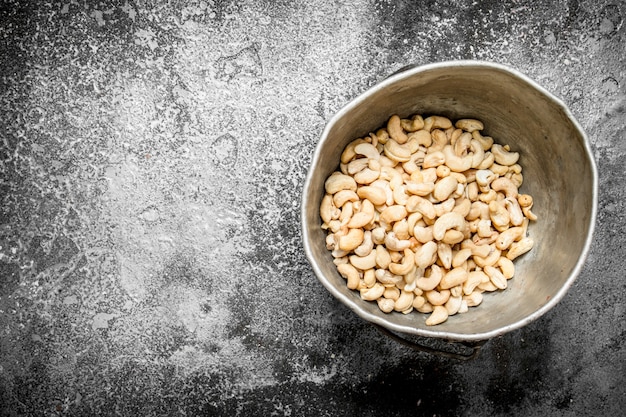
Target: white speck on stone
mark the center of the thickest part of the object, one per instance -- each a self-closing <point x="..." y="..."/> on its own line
<point x="101" y="320"/>
<point x="70" y="299"/>
<point x="150" y="215"/>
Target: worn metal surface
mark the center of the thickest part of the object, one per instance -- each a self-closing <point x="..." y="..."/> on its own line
<point x="152" y="158"/>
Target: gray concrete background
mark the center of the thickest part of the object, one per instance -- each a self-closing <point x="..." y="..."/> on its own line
<point x="152" y="156"/>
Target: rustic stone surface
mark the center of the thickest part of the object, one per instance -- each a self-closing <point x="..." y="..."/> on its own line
<point x="152" y="156"/>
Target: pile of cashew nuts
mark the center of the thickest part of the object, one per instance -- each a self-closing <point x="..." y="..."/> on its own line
<point x="425" y="214"/>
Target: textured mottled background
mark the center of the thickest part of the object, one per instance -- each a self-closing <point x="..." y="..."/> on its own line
<point x="152" y="156"/>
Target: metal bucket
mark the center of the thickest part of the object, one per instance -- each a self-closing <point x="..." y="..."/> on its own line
<point x="559" y="172"/>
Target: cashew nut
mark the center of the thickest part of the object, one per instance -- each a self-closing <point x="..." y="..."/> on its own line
<point x="422" y="137"/>
<point x="487" y="286"/>
<point x="408" y="263"/>
<point x="454" y="277"/>
<point x="425" y="308"/>
<point x="385" y="304"/>
<point x="485" y="141"/>
<point x="392" y="175"/>
<point x="507" y="267"/>
<point x="351" y="274"/>
<point x="421" y="189"/>
<point x="439" y="140"/>
<point x="507" y="237"/>
<point x="437" y="122"/>
<point x="462" y="206"/>
<point x="418" y="302"/>
<point x="444" y="207"/>
<point x="419" y="204"/>
<point x="447" y="221"/>
<point x="363" y="262"/>
<point x="396" y="151"/>
<point x="488" y="161"/>
<point x="366" y="246"/>
<point x="453" y="305"/>
<point x="374" y="194"/>
<point x="351" y="240"/>
<point x="366" y="176"/>
<point x="437" y="298"/>
<point x="426" y="254"/>
<point x="404" y="301"/>
<point x="471" y="191"/>
<point x="491" y="259"/>
<point x="328" y="210"/>
<point x="369" y="278"/>
<point x="393" y="214"/>
<point x="484" y="177"/>
<point x="383" y="259"/>
<point x="462" y="144"/>
<point x="368" y="150"/>
<point x="478" y="210"/>
<point x="473" y="299"/>
<point x="495" y="276"/>
<point x="503" y="156"/>
<point x="348" y="153"/>
<point x="400" y="196"/>
<point x="474" y="279"/>
<point x="456" y="163"/>
<point x="442" y="171"/>
<point x="393" y="293"/>
<point x="529" y="214"/>
<point x="481" y="251"/>
<point x="423" y="234"/>
<point x="506" y="185"/>
<point x="484" y="228"/>
<point x="393" y="243"/>
<point x="411" y="165"/>
<point x="469" y="125"/>
<point x="357" y="165"/>
<point x="338" y="181"/>
<point x="487" y="240"/>
<point x="413" y="124"/>
<point x="444" y="253"/>
<point x="452" y="237"/>
<point x="346" y="212"/>
<point x="388" y="279"/>
<point x="526" y="203"/>
<point x="394" y="127"/>
<point x="381" y="135"/>
<point x="444" y="188"/>
<point x="516" y="215"/>
<point x="525" y="200"/>
<point x="343" y="196"/>
<point x="488" y="197"/>
<point x="499" y="216"/>
<point x="401" y="229"/>
<point x="374" y="293"/>
<point x="429" y="175"/>
<point x="433" y="160"/>
<point x="412" y="220"/>
<point x="438" y="316"/>
<point x="519" y="248"/>
<point x="460" y="257"/>
<point x="331" y="242"/>
<point x="364" y="216"/>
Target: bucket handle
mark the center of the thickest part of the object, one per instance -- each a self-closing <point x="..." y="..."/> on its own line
<point x="472" y="347"/>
